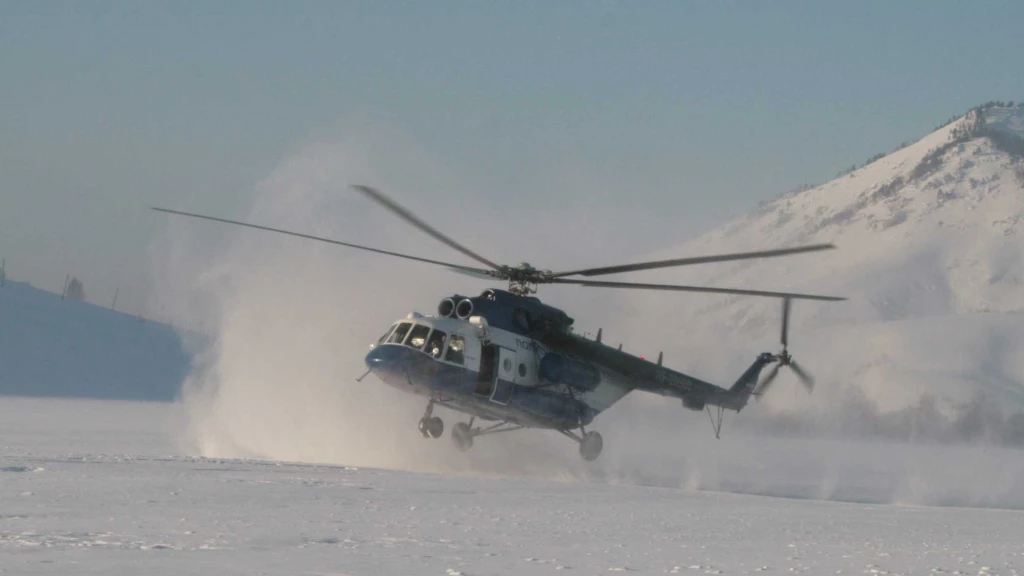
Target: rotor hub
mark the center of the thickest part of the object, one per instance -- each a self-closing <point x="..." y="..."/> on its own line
<point x="524" y="279"/>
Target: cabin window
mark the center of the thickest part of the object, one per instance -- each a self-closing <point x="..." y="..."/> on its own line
<point x="435" y="344"/>
<point x="507" y="365"/>
<point x="418" y="337"/>
<point x="456" y="348"/>
<point x="398" y="336"/>
<point x="522" y="370"/>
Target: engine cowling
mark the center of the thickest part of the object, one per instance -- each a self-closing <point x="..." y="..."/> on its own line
<point x="519" y="314"/>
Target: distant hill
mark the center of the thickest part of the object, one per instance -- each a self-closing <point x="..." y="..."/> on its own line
<point x="54" y="347"/>
<point x="930" y="255"/>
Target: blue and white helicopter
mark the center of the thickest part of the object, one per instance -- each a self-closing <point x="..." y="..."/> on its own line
<point x="506" y="358"/>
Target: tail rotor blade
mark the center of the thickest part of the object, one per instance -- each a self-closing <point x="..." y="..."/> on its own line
<point x="785" y="322"/>
<point x="804" y="377"/>
<point x="767" y="382"/>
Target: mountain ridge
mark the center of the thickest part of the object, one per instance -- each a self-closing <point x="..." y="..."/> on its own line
<point x="929" y="256"/>
<point x="54" y="347"/>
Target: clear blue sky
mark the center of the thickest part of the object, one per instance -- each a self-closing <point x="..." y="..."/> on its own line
<point x="681" y="114"/>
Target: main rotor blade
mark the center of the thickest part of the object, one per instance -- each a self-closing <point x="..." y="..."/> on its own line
<point x="804" y="377"/>
<point x="694" y="260"/>
<point x="478" y="273"/>
<point x="671" y="287"/>
<point x="411" y="218"/>
<point x="455" y="267"/>
<point x="785" y="323"/>
<point x="767" y="382"/>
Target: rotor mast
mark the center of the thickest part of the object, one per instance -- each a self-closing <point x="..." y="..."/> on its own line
<point x="522" y="279"/>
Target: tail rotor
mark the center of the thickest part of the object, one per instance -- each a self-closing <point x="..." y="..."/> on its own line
<point x="783" y="358"/>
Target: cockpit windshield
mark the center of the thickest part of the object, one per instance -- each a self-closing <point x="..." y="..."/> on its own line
<point x="437" y="343"/>
<point x="398" y="336"/>
<point x="418" y="337"/>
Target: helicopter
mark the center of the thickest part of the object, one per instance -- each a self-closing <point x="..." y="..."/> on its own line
<point x="507" y="359"/>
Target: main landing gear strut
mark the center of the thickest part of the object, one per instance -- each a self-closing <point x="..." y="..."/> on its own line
<point x="463" y="433"/>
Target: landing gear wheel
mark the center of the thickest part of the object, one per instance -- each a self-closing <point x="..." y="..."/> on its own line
<point x="435" y="427"/>
<point x="462" y="437"/>
<point x="591" y="445"/>
<point x="431" y="427"/>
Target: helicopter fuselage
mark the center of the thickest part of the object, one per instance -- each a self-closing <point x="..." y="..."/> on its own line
<point x="492" y="374"/>
<point x="506" y="357"/>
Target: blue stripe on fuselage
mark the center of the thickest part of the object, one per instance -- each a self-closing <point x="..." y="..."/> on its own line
<point x="413" y="371"/>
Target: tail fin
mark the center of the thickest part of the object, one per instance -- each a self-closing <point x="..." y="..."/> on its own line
<point x="740" y="391"/>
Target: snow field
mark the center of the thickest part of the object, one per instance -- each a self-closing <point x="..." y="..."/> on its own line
<point x="134" y="504"/>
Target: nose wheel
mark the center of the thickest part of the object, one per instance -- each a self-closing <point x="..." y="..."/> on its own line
<point x="431" y="426"/>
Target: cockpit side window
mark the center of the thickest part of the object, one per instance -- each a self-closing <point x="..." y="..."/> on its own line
<point x="456" y="348"/>
<point x="435" y="344"/>
<point x="418" y="337"/>
<point x="385" y="336"/>
<point x="398" y="336"/>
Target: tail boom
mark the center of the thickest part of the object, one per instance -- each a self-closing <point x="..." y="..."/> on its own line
<point x="737" y="396"/>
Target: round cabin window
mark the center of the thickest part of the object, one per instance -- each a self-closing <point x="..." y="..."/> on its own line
<point x="522" y="370"/>
<point x="507" y="365"/>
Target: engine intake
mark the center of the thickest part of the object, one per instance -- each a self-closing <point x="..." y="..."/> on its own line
<point x="446" y="308"/>
<point x="464" y="309"/>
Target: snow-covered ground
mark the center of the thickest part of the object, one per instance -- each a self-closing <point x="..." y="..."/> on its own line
<point x="99" y="487"/>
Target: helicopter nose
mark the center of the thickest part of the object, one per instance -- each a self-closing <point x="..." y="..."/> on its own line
<point x="386" y="358"/>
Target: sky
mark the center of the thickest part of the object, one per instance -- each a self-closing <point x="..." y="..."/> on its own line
<point x="613" y="129"/>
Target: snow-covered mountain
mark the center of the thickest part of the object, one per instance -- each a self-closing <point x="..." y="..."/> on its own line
<point x="931" y="257"/>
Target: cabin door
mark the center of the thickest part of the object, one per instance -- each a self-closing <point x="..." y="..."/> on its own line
<point x="496" y="379"/>
<point x="488" y="370"/>
<point x="504" y="384"/>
